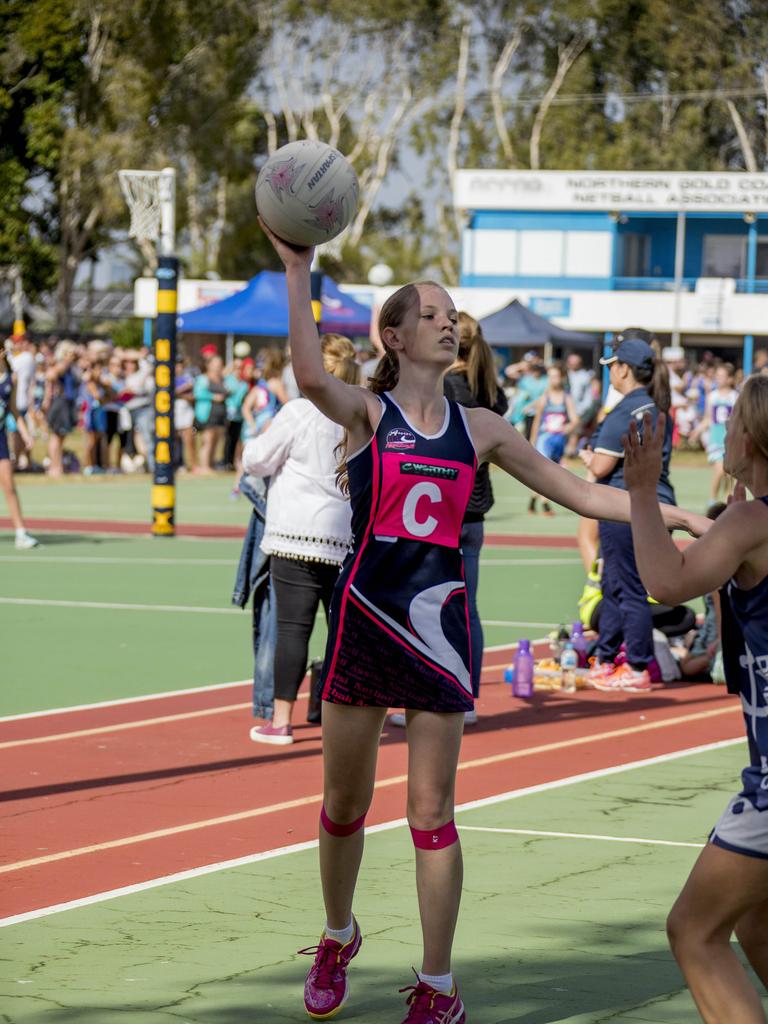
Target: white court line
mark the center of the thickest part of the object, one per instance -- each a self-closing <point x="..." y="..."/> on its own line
<point x="519" y="561"/>
<point x="125" y="700"/>
<point x="35" y="559"/>
<point x="386" y="826"/>
<point x="105" y="560"/>
<point x="576" y="835"/>
<point x="115" y="606"/>
<point x="520" y="625"/>
<point x="165" y="694"/>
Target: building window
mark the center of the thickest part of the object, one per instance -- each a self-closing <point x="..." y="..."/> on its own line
<point x="761" y="269"/>
<point x="724" y="256"/>
<point x="635" y="254"/>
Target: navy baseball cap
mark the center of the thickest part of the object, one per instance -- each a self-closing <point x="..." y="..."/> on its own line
<point x="632" y="347"/>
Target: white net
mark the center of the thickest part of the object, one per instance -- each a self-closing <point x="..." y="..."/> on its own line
<point x="143" y="195"/>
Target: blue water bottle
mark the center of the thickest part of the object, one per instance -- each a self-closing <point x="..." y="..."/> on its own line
<point x="579" y="642"/>
<point x="522" y="685"/>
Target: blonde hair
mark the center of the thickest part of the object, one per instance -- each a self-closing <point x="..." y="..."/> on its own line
<point x="752" y="407"/>
<point x="476" y="354"/>
<point x="274" y="363"/>
<point x="339" y="358"/>
<point x="66" y="348"/>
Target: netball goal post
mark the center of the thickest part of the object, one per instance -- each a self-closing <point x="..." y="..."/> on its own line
<point x="151" y="199"/>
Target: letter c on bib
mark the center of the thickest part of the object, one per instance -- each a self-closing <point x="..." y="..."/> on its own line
<point x="412" y="524"/>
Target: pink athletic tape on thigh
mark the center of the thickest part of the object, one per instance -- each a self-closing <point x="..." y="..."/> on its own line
<point x="340" y="830"/>
<point x="436" y="838"/>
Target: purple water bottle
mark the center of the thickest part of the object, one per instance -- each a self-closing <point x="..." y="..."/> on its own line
<point x="579" y="642"/>
<point x="522" y="685"/>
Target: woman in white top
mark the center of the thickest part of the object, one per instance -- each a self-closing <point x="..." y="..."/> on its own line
<point x="308" y="527"/>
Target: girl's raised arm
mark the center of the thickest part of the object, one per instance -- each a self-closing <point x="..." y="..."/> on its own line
<point x="346" y="404"/>
<point x="670" y="575"/>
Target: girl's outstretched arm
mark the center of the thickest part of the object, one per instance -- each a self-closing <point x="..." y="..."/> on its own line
<point x="498" y="442"/>
<point x="351" y="406"/>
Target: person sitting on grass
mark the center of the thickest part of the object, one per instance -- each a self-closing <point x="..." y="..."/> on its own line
<point x="727" y="890"/>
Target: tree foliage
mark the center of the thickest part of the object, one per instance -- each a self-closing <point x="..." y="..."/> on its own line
<point x="409" y="89"/>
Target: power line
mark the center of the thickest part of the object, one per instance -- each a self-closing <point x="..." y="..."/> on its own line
<point x="638" y="97"/>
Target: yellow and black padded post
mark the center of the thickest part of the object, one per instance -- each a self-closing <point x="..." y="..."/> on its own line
<point x="163" y="489"/>
<point x="316" y="294"/>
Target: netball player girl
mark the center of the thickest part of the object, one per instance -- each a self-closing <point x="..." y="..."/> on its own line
<point x="727" y="890"/>
<point x="398" y="632"/>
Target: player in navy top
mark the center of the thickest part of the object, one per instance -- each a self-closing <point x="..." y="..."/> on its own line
<point x="23" y="539"/>
<point x="399" y="632"/>
<point x="728" y="888"/>
<point x="625" y="614"/>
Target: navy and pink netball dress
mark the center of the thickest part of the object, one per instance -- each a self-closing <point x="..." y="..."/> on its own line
<point x="399" y="627"/>
<point x="743" y="827"/>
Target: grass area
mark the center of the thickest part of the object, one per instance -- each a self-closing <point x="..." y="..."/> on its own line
<point x="182" y="630"/>
<point x="208" y="499"/>
<point x="553" y="930"/>
<point x="72" y="653"/>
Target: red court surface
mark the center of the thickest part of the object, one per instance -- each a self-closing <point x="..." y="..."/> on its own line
<point x="104" y="797"/>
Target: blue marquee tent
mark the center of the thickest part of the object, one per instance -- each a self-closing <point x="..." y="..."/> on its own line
<point x="515" y="324"/>
<point x="262" y="308"/>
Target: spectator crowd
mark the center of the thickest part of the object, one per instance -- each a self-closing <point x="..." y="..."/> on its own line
<point x="106" y="392"/>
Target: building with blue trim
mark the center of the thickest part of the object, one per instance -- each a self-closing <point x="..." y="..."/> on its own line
<point x="684" y="255"/>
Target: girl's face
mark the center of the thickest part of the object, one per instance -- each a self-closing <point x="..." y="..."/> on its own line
<point x="723" y="379"/>
<point x="429" y="332"/>
<point x="555" y="377"/>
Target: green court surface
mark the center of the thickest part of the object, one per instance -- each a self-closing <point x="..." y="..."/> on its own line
<point x="552" y="928"/>
<point x="207" y="499"/>
<point x="90" y="619"/>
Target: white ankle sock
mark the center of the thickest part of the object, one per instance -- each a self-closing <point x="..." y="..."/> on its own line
<point x="442" y="982"/>
<point x="21" y="533"/>
<point x="342" y="935"/>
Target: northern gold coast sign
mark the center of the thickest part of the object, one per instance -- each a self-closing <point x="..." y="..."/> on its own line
<point x="610" y="191"/>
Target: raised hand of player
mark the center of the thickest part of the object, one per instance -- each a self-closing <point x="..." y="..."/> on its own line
<point x="289" y="254"/>
<point x="642" y="454"/>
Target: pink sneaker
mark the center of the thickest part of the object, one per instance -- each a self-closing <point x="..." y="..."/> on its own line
<point x="269" y="734"/>
<point x="599" y="671"/>
<point x="625" y="679"/>
<point x="632" y="680"/>
<point x="428" y="1006"/>
<point x="326" y="988"/>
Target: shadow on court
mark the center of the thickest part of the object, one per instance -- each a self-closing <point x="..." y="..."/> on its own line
<point x="50" y="540"/>
<point x="500" y="990"/>
<point x="544" y="709"/>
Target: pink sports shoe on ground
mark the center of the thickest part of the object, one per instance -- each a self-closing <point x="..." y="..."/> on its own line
<point x="326" y="988"/>
<point x="599" y="671"/>
<point x="428" y="1006"/>
<point x="625" y="679"/>
<point x="281" y="737"/>
<point x="633" y="680"/>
